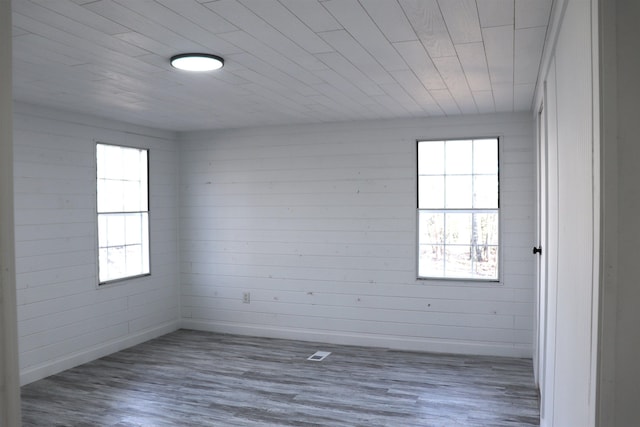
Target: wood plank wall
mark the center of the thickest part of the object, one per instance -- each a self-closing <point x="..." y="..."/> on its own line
<point x="63" y="317"/>
<point x="318" y="224"/>
<point x="568" y="89"/>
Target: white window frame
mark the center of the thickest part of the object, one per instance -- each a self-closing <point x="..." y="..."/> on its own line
<point x="144" y="217"/>
<point x="496" y="210"/>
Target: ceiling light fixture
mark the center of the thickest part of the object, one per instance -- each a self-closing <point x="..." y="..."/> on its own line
<point x="197" y="62"/>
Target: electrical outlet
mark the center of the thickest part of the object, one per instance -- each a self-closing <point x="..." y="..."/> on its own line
<point x="246" y="297"/>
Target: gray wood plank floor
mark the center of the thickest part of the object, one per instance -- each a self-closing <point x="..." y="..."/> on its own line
<point x="191" y="378"/>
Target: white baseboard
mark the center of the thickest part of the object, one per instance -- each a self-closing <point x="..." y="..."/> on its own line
<point x="392" y="342"/>
<point x="35" y="373"/>
<point x="52" y="367"/>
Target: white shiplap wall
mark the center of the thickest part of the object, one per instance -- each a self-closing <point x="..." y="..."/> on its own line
<point x="318" y="223"/>
<point x="568" y="381"/>
<point x="63" y="318"/>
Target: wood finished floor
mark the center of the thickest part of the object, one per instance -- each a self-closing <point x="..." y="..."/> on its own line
<point x="190" y="378"/>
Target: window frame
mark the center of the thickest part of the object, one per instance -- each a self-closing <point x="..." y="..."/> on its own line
<point x="498" y="279"/>
<point x="100" y="283"/>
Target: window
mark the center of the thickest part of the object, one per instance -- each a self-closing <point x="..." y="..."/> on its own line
<point x="458" y="209"/>
<point x="123" y="212"/>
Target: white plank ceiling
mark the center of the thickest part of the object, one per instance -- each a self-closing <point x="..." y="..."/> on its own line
<point x="286" y="61"/>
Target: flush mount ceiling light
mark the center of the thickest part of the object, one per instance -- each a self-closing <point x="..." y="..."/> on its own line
<point x="197" y="62"/>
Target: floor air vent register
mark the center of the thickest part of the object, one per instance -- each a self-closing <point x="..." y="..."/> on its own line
<point x="318" y="356"/>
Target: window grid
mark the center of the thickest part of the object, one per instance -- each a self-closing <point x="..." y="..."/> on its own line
<point x="483" y="245"/>
<point x="122" y="212"/>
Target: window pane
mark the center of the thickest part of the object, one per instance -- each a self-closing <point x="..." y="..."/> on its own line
<point x="145" y="243"/>
<point x="487" y="227"/>
<point x="431" y="192"/>
<point x="101" y="196"/>
<point x="144" y="180"/>
<point x="133" y="227"/>
<point x="458" y="157"/>
<point x="458" y="192"/>
<point x="458" y="262"/>
<point x="431" y="261"/>
<point x="130" y="164"/>
<point x="485" y="156"/>
<point x="132" y="196"/>
<point x="110" y="195"/>
<point x="102" y="231"/>
<point x="485" y="192"/>
<point x="459" y="227"/>
<point x="112" y="166"/>
<point x="103" y="264"/>
<point x="116" y="262"/>
<point x="124" y="245"/>
<point x="133" y="255"/>
<point x="487" y="267"/>
<point x="115" y="230"/>
<point x="431" y="158"/>
<point x="100" y="161"/>
<point x="431" y="227"/>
